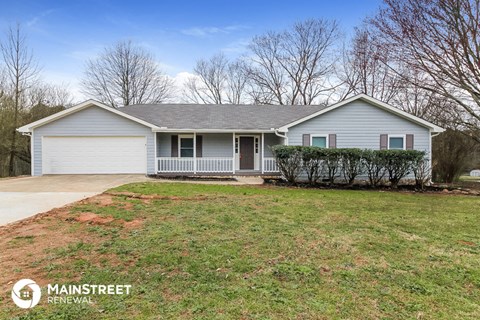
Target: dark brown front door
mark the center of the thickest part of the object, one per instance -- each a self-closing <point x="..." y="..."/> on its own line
<point x="247" y="161"/>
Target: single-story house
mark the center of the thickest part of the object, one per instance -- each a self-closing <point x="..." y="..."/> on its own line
<point x="92" y="138"/>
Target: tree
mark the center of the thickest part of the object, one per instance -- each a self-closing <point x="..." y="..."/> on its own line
<point x="294" y="66"/>
<point x="452" y="154"/>
<point x="126" y="74"/>
<point x="441" y="39"/>
<point x="365" y="68"/>
<point x="217" y="80"/>
<point x="21" y="73"/>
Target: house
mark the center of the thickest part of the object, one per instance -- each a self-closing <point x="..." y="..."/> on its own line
<point x="92" y="138"/>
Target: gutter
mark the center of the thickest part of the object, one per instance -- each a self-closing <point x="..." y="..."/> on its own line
<point x="284" y="136"/>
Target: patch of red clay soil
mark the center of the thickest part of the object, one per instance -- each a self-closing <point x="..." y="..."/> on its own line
<point x="93" y="218"/>
<point x="27" y="246"/>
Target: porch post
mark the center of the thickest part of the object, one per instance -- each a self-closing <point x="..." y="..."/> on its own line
<point x="233" y="152"/>
<point x="194" y="153"/>
<point x="263" y="152"/>
<point x="155" y="150"/>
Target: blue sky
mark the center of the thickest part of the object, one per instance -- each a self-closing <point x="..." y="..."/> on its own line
<point x="64" y="34"/>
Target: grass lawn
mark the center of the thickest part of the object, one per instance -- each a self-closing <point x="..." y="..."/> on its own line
<point x="226" y="252"/>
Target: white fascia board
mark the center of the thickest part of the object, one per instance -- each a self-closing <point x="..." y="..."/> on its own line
<point x="86" y="104"/>
<point x="373" y="102"/>
<point x="212" y="130"/>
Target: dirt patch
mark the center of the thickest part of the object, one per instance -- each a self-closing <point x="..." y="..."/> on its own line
<point x="28" y="259"/>
<point x="134" y="224"/>
<point x="467" y="243"/>
<point x="95" y="219"/>
<point x="29" y="246"/>
<point x="92" y="218"/>
<point x="103" y="200"/>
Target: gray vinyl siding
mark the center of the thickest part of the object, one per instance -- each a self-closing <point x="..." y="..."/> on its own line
<point x="93" y="121"/>
<point x="359" y="125"/>
<point x="214" y="144"/>
<point x="217" y="145"/>
<point x="271" y="139"/>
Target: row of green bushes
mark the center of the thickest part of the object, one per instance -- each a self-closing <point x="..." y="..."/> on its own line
<point x="329" y="164"/>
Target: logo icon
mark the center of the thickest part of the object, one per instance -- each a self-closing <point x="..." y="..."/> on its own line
<point x="26" y="293"/>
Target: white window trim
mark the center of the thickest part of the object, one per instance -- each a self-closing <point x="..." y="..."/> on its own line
<point x="404" y="136"/>
<point x="319" y="135"/>
<point x="185" y="136"/>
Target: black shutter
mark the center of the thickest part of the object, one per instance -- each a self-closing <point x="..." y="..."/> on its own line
<point x="174" y="146"/>
<point x="199" y="146"/>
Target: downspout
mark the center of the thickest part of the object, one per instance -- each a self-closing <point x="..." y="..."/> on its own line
<point x="282" y="136"/>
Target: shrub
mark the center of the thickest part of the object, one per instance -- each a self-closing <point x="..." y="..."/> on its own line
<point x="315" y="162"/>
<point x="331" y="162"/>
<point x="351" y="163"/>
<point x="398" y="163"/>
<point x="421" y="170"/>
<point x="374" y="165"/>
<point x="289" y="161"/>
<point x="312" y="163"/>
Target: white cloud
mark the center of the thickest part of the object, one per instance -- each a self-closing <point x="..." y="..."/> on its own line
<point x="238" y="46"/>
<point x="32" y="22"/>
<point x="209" y="31"/>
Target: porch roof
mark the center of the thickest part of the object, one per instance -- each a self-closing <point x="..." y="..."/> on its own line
<point x="219" y="117"/>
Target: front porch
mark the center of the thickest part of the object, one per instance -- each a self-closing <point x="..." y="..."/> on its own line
<point x="216" y="153"/>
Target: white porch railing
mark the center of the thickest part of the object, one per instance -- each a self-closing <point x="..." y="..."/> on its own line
<point x="168" y="164"/>
<point x="215" y="164"/>
<point x="204" y="165"/>
<point x="269" y="165"/>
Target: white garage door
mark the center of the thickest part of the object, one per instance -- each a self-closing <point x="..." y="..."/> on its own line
<point x="93" y="155"/>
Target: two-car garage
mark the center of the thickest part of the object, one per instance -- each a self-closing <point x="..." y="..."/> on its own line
<point x="91" y="138"/>
<point x="93" y="155"/>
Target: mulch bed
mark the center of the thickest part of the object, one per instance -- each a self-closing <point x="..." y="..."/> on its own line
<point x="471" y="188"/>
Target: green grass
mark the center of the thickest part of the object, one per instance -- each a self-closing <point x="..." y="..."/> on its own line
<point x="277" y="253"/>
<point x="469" y="179"/>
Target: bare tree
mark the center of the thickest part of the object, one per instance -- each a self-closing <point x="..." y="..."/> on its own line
<point x="217" y="80"/>
<point x="126" y="74"/>
<point x="21" y="73"/>
<point x="294" y="66"/>
<point x="441" y="39"/>
<point x="365" y="68"/>
<point x="49" y="95"/>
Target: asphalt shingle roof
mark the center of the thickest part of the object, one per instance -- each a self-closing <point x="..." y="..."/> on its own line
<point x="230" y="117"/>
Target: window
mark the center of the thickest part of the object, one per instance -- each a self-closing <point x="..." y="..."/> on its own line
<point x="319" y="141"/>
<point x="186" y="146"/>
<point x="396" y="142"/>
<point x="256" y="145"/>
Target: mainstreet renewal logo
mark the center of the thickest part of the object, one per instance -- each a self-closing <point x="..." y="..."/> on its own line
<point x="26" y="293"/>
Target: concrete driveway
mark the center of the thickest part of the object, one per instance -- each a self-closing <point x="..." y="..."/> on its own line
<point x="21" y="198"/>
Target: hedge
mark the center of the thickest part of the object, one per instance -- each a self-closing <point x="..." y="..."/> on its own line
<point x="329" y="164"/>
